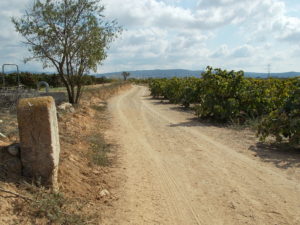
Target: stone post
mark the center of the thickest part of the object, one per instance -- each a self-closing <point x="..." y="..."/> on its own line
<point x="39" y="139"/>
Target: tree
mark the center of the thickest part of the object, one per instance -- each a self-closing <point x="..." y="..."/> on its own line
<point x="69" y="35"/>
<point x="125" y="75"/>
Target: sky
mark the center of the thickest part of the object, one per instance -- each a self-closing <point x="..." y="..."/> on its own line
<point x="244" y="35"/>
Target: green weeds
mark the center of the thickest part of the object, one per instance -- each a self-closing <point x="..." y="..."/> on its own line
<point x="99" y="150"/>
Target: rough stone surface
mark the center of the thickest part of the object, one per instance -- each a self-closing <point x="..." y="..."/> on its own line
<point x="39" y="139"/>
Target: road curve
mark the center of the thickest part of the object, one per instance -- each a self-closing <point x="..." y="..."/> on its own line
<point x="177" y="173"/>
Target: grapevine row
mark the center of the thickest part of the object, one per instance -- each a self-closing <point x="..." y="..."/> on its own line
<point x="228" y="96"/>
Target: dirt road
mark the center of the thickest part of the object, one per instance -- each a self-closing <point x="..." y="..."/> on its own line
<point x="179" y="171"/>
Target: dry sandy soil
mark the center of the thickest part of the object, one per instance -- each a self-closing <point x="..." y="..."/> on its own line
<point x="175" y="170"/>
<point x="81" y="180"/>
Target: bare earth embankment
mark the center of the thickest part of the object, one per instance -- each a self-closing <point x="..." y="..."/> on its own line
<point x="175" y="170"/>
<point x="85" y="176"/>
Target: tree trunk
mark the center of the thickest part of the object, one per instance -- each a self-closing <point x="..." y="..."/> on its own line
<point x="70" y="96"/>
<point x="78" y="94"/>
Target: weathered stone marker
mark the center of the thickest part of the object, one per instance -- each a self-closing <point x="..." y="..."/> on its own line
<point x="39" y="139"/>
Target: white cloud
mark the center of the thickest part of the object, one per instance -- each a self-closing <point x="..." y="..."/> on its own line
<point x="243" y="52"/>
<point x="11" y="48"/>
<point x="172" y="34"/>
<point x="223" y="51"/>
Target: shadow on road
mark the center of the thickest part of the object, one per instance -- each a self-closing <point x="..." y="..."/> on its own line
<point x="281" y="155"/>
<point x="196" y="122"/>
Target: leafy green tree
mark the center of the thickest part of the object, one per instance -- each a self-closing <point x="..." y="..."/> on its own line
<point x="69" y="35"/>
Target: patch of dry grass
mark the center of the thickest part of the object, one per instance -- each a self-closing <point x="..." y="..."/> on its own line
<point x="47" y="207"/>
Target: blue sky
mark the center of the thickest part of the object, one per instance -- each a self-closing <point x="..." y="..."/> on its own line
<point x="190" y="34"/>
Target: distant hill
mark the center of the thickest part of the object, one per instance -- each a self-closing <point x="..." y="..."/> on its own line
<point x="188" y="73"/>
<point x="277" y="75"/>
<point x="155" y="73"/>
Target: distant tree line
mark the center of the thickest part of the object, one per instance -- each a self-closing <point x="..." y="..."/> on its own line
<point x="30" y="80"/>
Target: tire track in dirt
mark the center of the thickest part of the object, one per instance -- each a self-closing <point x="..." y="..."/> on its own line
<point x="179" y="175"/>
<point x="177" y="190"/>
<point x="176" y="209"/>
<point x="251" y="167"/>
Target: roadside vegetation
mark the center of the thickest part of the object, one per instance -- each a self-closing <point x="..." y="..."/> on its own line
<point x="99" y="148"/>
<point x="53" y="208"/>
<point x="229" y="97"/>
<point x="30" y="80"/>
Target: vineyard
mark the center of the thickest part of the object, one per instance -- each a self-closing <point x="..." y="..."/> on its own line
<point x="229" y="97"/>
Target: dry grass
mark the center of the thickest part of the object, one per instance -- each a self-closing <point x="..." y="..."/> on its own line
<point x="99" y="150"/>
<point x="8" y="125"/>
<point x="45" y="207"/>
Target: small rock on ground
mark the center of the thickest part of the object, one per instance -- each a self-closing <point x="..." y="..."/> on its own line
<point x="104" y="193"/>
<point x="66" y="106"/>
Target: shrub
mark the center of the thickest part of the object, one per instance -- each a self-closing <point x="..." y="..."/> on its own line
<point x="283" y="122"/>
